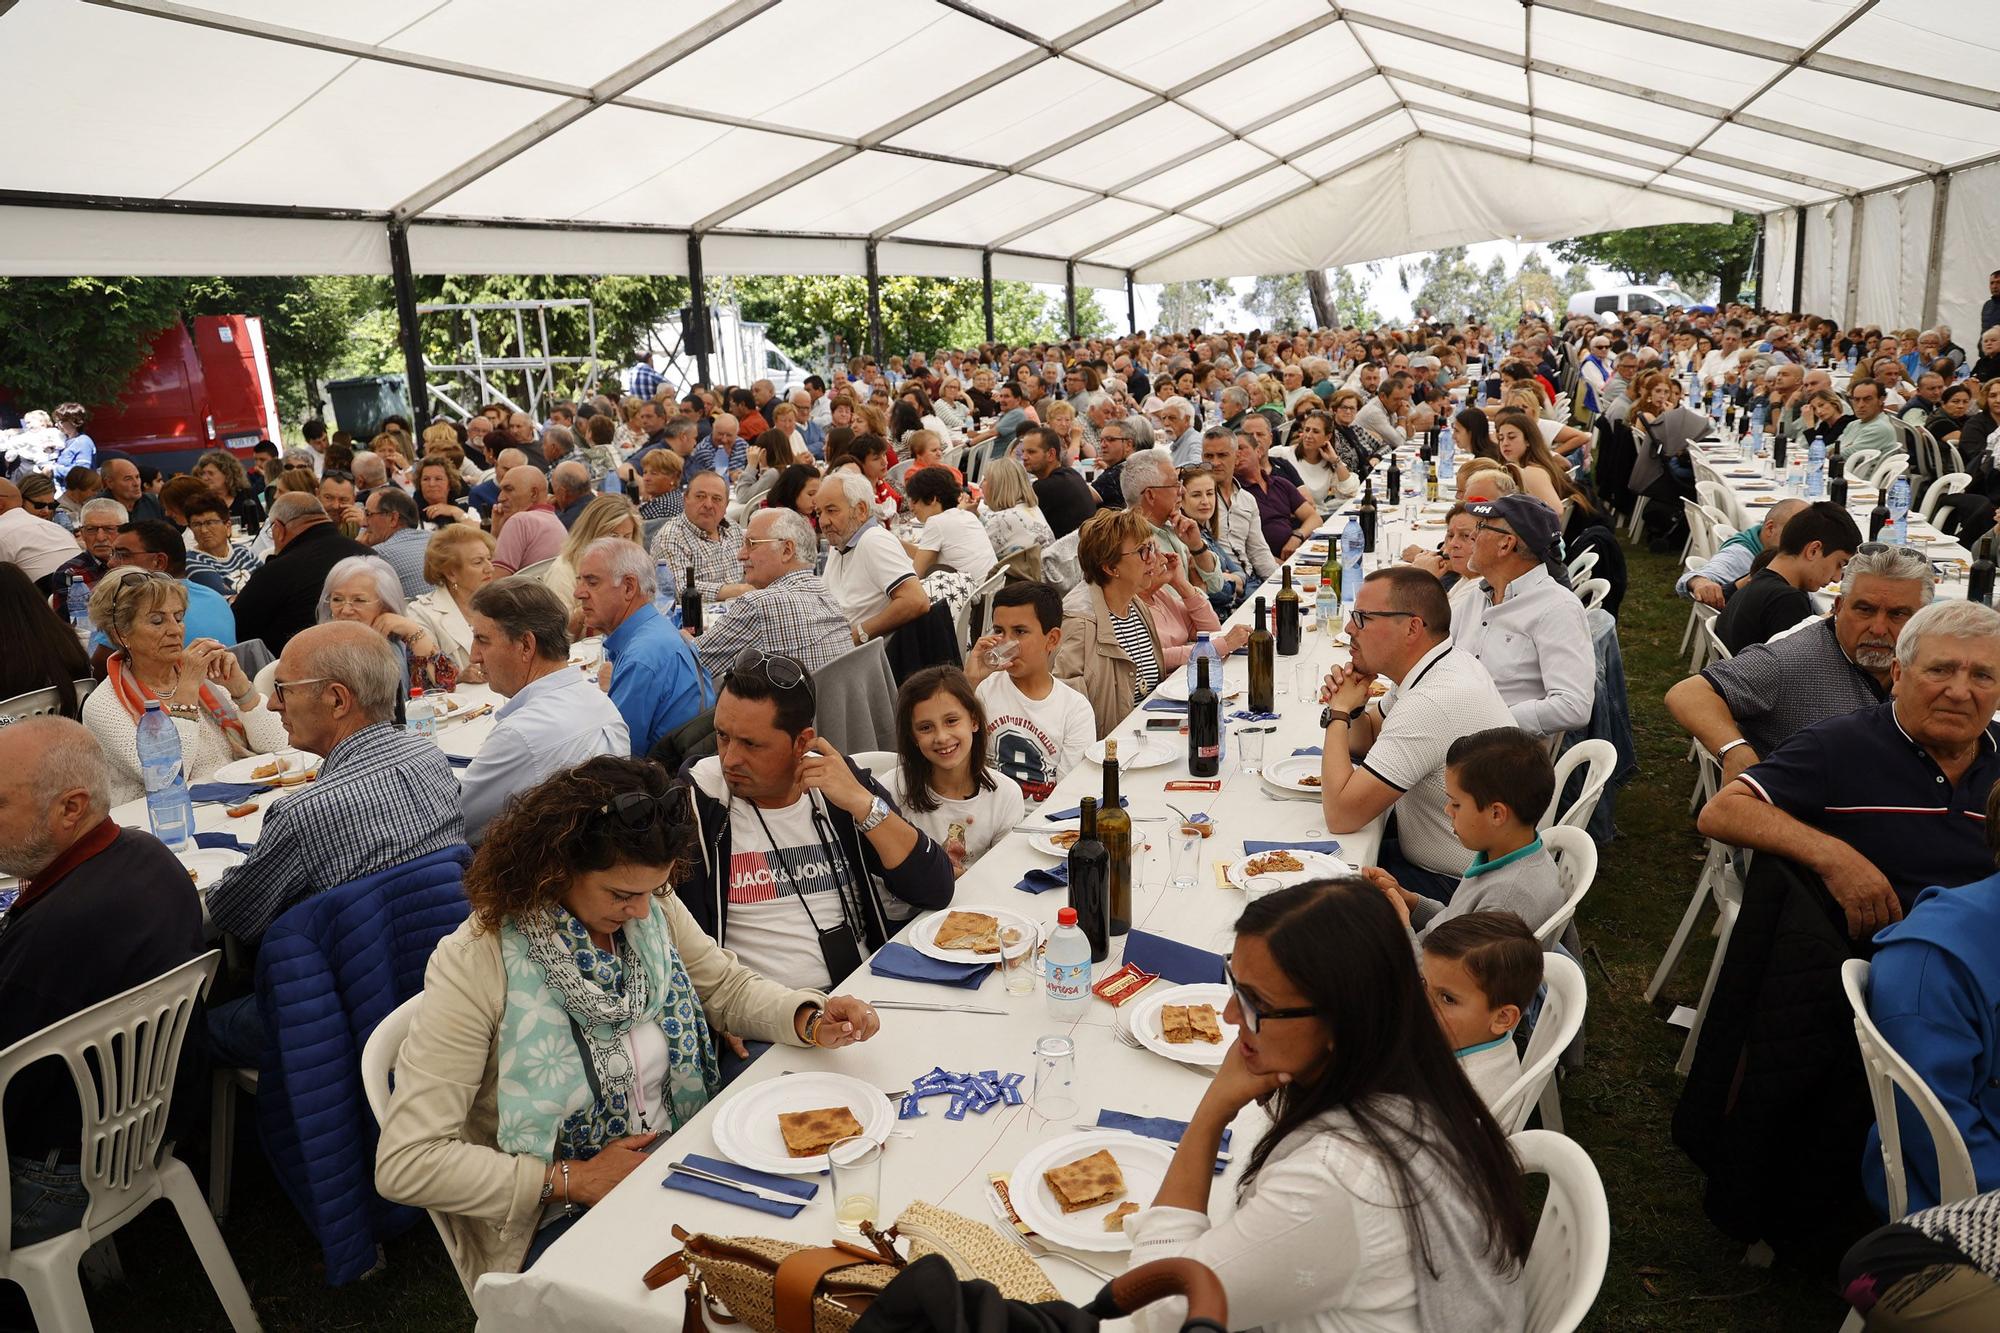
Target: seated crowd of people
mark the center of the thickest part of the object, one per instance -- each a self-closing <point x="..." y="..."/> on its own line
<point x="643" y="916"/>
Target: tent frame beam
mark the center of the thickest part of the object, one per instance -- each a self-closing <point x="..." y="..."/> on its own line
<point x="986" y="290"/>
<point x="403" y="281"/>
<point x="1934" y="260"/>
<point x="1851" y="305"/>
<point x="874" y="277"/>
<point x="697" y="306"/>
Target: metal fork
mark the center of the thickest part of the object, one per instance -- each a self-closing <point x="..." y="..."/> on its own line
<point x="1036" y="1248"/>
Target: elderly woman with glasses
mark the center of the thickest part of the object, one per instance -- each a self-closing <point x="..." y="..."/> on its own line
<point x="1110" y="651"/>
<point x="571" y="1019"/>
<point x="218" y="714"/>
<point x="365" y="588"/>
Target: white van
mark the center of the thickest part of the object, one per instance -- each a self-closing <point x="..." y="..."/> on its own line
<point x="1607" y="303"/>
<point x="739" y="353"/>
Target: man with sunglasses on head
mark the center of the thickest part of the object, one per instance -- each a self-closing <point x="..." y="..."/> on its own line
<point x="807" y="865"/>
<point x="382" y="797"/>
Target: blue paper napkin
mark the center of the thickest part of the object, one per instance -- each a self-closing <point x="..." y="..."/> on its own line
<point x="906" y="964"/>
<point x="1244" y="715"/>
<point x="1157" y="705"/>
<point x="1178" y="963"/>
<point x="1307" y="749"/>
<point x="459" y="760"/>
<point x="1041" y="881"/>
<point x="1157" y="1127"/>
<point x="1252" y="846"/>
<point x="227" y="842"/>
<point x="802" y="1190"/>
<point x="230" y="793"/>
<point x="1076" y="811"/>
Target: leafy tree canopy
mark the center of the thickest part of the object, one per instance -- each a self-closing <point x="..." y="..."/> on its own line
<point x="1697" y="256"/>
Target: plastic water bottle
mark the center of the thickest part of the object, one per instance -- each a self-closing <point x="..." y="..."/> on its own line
<point x="1899" y="511"/>
<point x="77" y="599"/>
<point x="1816" y="470"/>
<point x="1757" y="425"/>
<point x="666" y="599"/>
<point x="1351" y="544"/>
<point x="1066" y="966"/>
<point x="1447" y="460"/>
<point x="1326" y="604"/>
<point x="169" y="810"/>
<point x="1205" y="647"/>
<point x="420" y="717"/>
<point x="613" y="484"/>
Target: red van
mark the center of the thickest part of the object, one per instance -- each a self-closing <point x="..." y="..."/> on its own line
<point x="207" y="390"/>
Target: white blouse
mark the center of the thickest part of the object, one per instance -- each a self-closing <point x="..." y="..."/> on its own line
<point x="1017" y="529"/>
<point x="204" y="745"/>
<point x="438" y="613"/>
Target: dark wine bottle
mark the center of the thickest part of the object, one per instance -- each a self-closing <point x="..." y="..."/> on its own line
<point x="1090" y="883"/>
<point x="1366" y="511"/>
<point x="1878" y="518"/>
<point x="1979" y="586"/>
<point x="1263" y="665"/>
<point x="691" y="605"/>
<point x="1395" y="485"/>
<point x="1836" y="488"/>
<point x="1204" y="717"/>
<point x="1114" y="830"/>
<point x="1288" y="617"/>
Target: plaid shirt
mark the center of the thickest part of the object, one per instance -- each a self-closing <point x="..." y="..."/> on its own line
<point x="796" y="616"/>
<point x="383" y="797"/>
<point x="667" y="506"/>
<point x="708" y="458"/>
<point x="715" y="562"/>
<point x="645" y="381"/>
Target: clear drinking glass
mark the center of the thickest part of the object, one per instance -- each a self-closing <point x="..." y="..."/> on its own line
<point x="856" y="1163"/>
<point x="1261" y="886"/>
<point x="1055" y="1078"/>
<point x="1250" y="749"/>
<point x="1309" y="680"/>
<point x="1017" y="958"/>
<point x="1185" y="853"/>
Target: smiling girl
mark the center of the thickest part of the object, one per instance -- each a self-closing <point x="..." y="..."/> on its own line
<point x="942" y="783"/>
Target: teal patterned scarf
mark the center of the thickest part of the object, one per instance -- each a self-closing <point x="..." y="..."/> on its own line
<point x="561" y="985"/>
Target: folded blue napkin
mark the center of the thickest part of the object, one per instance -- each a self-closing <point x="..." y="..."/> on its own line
<point x="227" y="842"/>
<point x="802" y="1190"/>
<point x="906" y="964"/>
<point x="1157" y="705"/>
<point x="230" y="793"/>
<point x="1252" y="846"/>
<point x="1244" y="715"/>
<point x="1042" y="880"/>
<point x="1179" y="963"/>
<point x="1076" y="811"/>
<point x="1157" y="1127"/>
<point x="1307" y="749"/>
<point x="459" y="760"/>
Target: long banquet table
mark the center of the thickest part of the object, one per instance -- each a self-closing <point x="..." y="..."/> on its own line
<point x="591" y="1277"/>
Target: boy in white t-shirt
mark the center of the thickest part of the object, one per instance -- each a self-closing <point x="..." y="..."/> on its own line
<point x="1481" y="971"/>
<point x="1039" y="726"/>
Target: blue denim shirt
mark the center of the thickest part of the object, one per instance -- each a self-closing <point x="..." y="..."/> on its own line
<point x="656" y="680"/>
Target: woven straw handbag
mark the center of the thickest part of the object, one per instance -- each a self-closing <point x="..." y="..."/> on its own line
<point x="776" y="1286"/>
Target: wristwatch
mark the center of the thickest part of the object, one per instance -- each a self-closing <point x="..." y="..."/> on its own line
<point x="878" y="810"/>
<point x="1327" y="717"/>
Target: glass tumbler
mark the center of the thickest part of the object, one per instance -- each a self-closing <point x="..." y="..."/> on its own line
<point x="1017" y="958"/>
<point x="1250" y="749"/>
<point x="1055" y="1078"/>
<point x="1185" y="858"/>
<point x="856" y="1163"/>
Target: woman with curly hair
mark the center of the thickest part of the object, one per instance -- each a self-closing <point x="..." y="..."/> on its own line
<point x="571" y="1019"/>
<point x="222" y="472"/>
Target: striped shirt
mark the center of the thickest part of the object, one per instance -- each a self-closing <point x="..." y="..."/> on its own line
<point x="235" y="571"/>
<point x="1137" y="644"/>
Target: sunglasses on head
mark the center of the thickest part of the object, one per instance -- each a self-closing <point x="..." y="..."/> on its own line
<point x="642" y="811"/>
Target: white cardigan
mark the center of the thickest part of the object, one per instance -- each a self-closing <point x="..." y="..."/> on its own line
<point x="438" y="613"/>
<point x="204" y="746"/>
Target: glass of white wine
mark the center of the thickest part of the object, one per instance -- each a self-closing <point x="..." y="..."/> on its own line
<point x="856" y="1163"/>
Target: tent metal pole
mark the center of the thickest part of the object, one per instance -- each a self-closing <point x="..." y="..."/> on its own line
<point x="697" y="307"/>
<point x="1069" y="295"/>
<point x="986" y="289"/>
<point x="1131" y="306"/>
<point x="1934" y="264"/>
<point x="874" y="303"/>
<point x="1757" y="276"/>
<point x="1798" y="257"/>
<point x="1850" y="309"/>
<point x="404" y="282"/>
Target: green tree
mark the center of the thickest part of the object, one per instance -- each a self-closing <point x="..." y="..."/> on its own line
<point x="79" y="338"/>
<point x="1443" y="284"/>
<point x="1350" y="302"/>
<point x="1279" y="300"/>
<point x="1187" y="305"/>
<point x="1694" y="255"/>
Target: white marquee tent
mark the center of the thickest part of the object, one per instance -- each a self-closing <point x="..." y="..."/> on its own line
<point x="1094" y="141"/>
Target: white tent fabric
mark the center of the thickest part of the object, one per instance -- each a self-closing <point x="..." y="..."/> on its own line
<point x="1139" y="139"/>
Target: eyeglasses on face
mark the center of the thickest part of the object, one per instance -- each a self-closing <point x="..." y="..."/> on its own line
<point x="1493" y="528"/>
<point x="278" y="687"/>
<point x="338" y="603"/>
<point x="1145" y="550"/>
<point x="1360" y="618"/>
<point x="1255" y="1017"/>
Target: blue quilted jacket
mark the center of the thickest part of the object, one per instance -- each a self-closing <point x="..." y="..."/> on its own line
<point x="329" y="970"/>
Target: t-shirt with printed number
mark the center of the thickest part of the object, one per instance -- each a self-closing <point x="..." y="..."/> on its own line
<point x="1036" y="742"/>
<point x="768" y="927"/>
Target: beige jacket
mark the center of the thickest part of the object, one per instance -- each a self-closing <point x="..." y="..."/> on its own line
<point x="1090" y="661"/>
<point x="438" y="613"/>
<point x="437" y="1147"/>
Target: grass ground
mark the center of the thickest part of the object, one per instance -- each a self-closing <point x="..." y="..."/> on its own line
<point x="1670" y="1270"/>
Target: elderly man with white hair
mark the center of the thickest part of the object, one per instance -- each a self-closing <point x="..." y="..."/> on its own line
<point x="1177" y="419"/>
<point x="874" y="584"/>
<point x="808" y="437"/>
<point x="789" y="609"/>
<point x="1152" y="486"/>
<point x="101" y="909"/>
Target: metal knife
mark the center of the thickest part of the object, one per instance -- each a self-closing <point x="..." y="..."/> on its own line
<point x="926" y="1007"/>
<point x="759" y="1191"/>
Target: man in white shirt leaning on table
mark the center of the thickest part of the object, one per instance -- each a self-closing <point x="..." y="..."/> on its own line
<point x="1392" y="754"/>
<point x="555" y="717"/>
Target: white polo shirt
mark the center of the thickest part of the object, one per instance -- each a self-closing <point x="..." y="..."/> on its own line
<point x="960" y="540"/>
<point x="1447" y="694"/>
<point x="866" y="570"/>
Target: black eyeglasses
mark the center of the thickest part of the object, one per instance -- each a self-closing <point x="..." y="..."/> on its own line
<point x="1254" y="1016"/>
<point x="1361" y="618"/>
<point x="642" y="811"/>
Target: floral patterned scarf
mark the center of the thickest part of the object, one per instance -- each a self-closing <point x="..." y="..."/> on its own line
<point x="568" y="1001"/>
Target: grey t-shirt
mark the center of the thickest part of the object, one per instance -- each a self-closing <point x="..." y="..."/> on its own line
<point x="1776" y="690"/>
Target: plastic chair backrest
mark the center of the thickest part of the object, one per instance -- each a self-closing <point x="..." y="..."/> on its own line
<point x="1573" y="1238"/>
<point x="1574" y="851"/>
<point x="1602" y="757"/>
<point x="378" y="1057"/>
<point x="1561" y="1019"/>
<point x="1579" y="568"/>
<point x="1951" y="483"/>
<point x="1890" y="468"/>
<point x="882" y="764"/>
<point x="1593" y="592"/>
<point x="536" y="570"/>
<point x="44" y="702"/>
<point x="1888" y="1074"/>
<point x="122" y="1053"/>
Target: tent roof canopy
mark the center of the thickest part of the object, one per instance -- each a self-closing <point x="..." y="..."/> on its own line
<point x="1168" y="138"/>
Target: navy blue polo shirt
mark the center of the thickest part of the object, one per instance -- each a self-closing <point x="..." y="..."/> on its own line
<point x="1860" y="778"/>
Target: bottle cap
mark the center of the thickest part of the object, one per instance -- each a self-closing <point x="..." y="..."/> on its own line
<point x="416" y="691"/>
<point x="1065" y="916"/>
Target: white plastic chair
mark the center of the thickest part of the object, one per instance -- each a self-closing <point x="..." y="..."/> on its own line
<point x="1637" y="524"/>
<point x="536" y="570"/>
<point x="1593" y="592"/>
<point x="1890" y="468"/>
<point x="1700" y="523"/>
<point x="378" y="1066"/>
<point x="122" y="1053"/>
<point x="881" y="764"/>
<point x="1602" y="757"/>
<point x="1573" y="1238"/>
<point x="1951" y="483"/>
<point x="1561" y="1019"/>
<point x="963" y="620"/>
<point x="1888" y="1074"/>
<point x="1860" y="464"/>
<point x="1575" y="854"/>
<point x="1579" y="568"/>
<point x="41" y="703"/>
<point x="1726" y="887"/>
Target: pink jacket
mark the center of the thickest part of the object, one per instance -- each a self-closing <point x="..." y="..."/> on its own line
<point x="1177" y="618"/>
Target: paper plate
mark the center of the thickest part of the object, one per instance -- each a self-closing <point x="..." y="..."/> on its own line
<point x="1146" y="1023"/>
<point x="746" y="1125"/>
<point x="1149" y="753"/>
<point x="244" y="770"/>
<point x="1046" y="844"/>
<point x="1291" y="771"/>
<point x="923" y="934"/>
<point x="206" y="864"/>
<point x="1142" y="1161"/>
<point x="1175" y="686"/>
<point x="1318" y="865"/>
